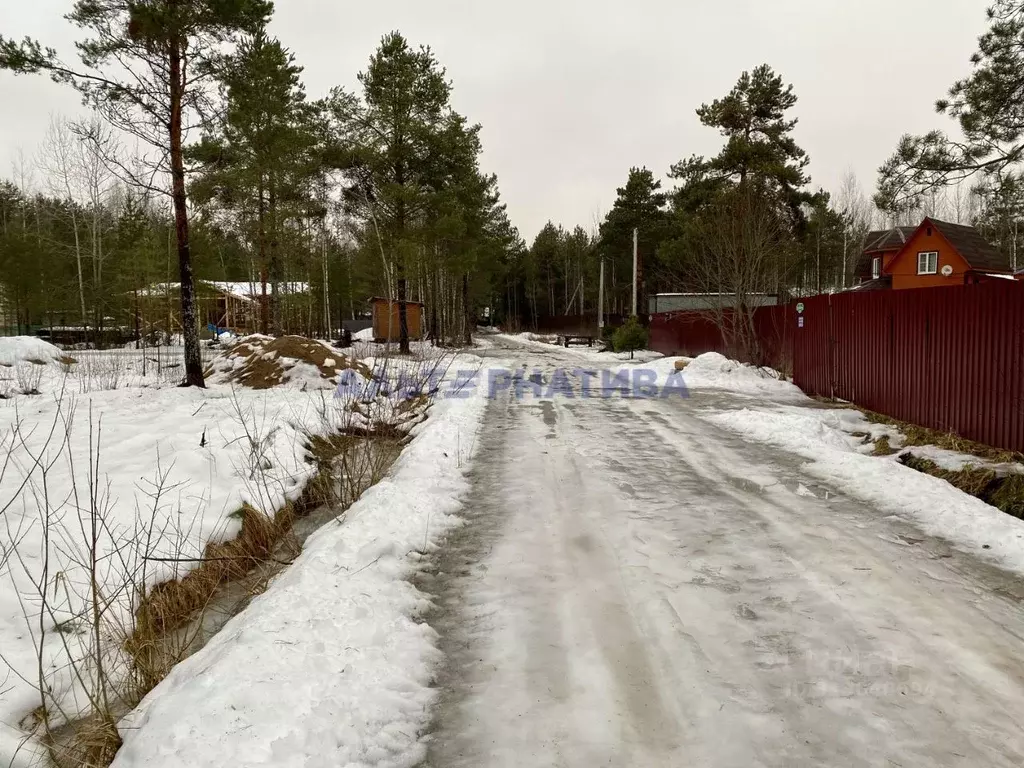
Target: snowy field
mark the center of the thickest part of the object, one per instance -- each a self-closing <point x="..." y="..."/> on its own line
<point x="110" y="438"/>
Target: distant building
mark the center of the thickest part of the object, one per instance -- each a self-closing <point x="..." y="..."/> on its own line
<point x="224" y="305"/>
<point x="696" y="302"/>
<point x="934" y="253"/>
<point x="386" y="319"/>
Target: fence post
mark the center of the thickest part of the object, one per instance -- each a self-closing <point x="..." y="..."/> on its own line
<point x="833" y="358"/>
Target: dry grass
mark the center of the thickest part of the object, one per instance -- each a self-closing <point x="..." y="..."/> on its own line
<point x="917" y="435"/>
<point x="1003" y="492"/>
<point x="882" y="447"/>
<point x="93" y="743"/>
<point x="343" y="471"/>
<point x="172" y="605"/>
<point x="1009" y="495"/>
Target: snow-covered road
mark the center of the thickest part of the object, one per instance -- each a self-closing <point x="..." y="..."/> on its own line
<point x="637" y="587"/>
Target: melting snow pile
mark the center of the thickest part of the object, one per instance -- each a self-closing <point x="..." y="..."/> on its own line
<point x="837" y="457"/>
<point x="262" y="362"/>
<point x="19" y="349"/>
<point x="714" y="371"/>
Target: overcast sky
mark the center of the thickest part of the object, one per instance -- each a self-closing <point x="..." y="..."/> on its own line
<point x="571" y="93"/>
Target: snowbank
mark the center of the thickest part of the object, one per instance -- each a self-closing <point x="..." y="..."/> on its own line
<point x="934" y="505"/>
<point x="714" y="371"/>
<point x="330" y="667"/>
<point x="364" y="335"/>
<point x="17" y="349"/>
<point x="595" y="353"/>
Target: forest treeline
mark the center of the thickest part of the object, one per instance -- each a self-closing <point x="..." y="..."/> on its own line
<point x="205" y="158"/>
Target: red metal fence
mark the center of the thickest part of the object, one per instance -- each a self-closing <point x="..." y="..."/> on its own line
<point x="693" y="333"/>
<point x="947" y="358"/>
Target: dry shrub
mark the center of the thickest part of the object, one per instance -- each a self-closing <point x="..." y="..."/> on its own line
<point x="29" y="375"/>
<point x="91" y="743"/>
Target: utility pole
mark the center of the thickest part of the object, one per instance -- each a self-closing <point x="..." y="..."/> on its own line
<point x="600" y="298"/>
<point x="634" y="271"/>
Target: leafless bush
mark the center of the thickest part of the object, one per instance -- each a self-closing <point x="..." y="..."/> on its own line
<point x="29" y="375"/>
<point x="81" y="578"/>
<point x="101" y="372"/>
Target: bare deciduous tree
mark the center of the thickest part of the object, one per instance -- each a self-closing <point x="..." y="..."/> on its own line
<point x="744" y="249"/>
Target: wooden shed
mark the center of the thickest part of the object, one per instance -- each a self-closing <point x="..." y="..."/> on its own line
<point x="386" y="320"/>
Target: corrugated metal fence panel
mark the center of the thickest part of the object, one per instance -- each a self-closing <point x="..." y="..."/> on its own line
<point x="684" y="333"/>
<point x="947" y="358"/>
<point x="694" y="333"/>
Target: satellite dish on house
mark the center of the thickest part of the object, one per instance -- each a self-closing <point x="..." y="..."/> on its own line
<point x="947" y="270"/>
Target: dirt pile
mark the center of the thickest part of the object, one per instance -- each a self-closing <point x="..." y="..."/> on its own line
<point x="262" y="362"/>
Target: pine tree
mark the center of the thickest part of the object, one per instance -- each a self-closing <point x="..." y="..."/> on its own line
<point x="988" y="106"/>
<point x="629" y="336"/>
<point x="824" y="263"/>
<point x="759" y="145"/>
<point x="639" y="205"/>
<point x="262" y="157"/>
<point x="146" y="68"/>
<point x="392" y="138"/>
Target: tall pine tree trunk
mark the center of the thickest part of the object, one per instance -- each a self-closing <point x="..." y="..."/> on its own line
<point x="399" y="257"/>
<point x="261" y="239"/>
<point x="275" y="264"/>
<point x="467" y="331"/>
<point x="435" y="302"/>
<point x="189" y="321"/>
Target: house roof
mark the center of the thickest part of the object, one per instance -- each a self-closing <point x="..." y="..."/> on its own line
<point x="242" y="291"/>
<point x="888" y="239"/>
<point x="882" y="283"/>
<point x="969" y="243"/>
<point x="385" y="300"/>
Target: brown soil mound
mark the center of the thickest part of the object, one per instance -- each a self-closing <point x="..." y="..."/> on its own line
<point x="261" y="362"/>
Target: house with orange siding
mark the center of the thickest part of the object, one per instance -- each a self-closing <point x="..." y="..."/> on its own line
<point x="879" y="249"/>
<point x="935" y="253"/>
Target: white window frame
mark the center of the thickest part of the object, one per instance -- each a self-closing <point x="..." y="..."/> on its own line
<point x="876" y="267"/>
<point x="931" y="263"/>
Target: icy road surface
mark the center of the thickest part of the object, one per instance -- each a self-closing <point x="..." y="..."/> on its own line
<point x="638" y="588"/>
